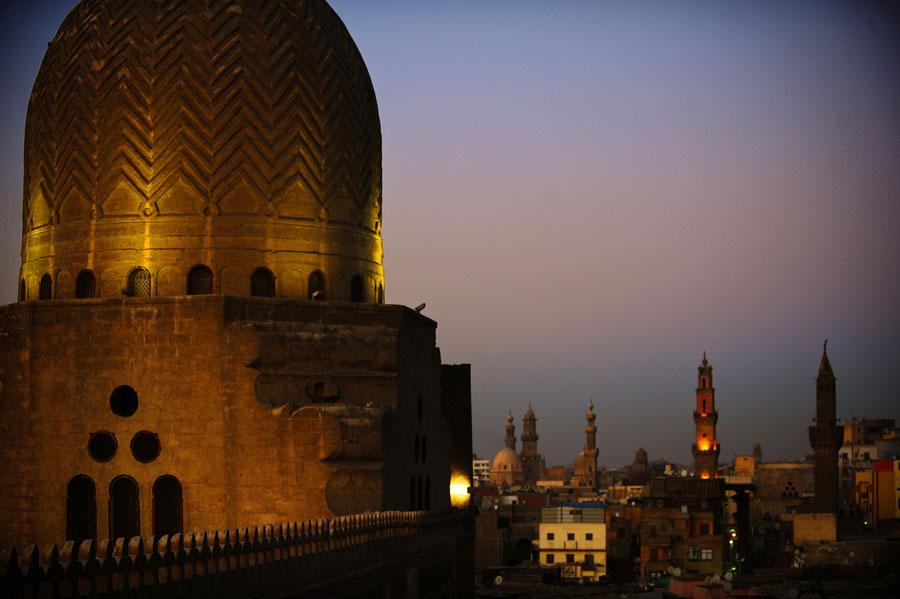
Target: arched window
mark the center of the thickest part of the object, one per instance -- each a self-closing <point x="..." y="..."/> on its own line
<point x="427" y="492"/>
<point x="380" y="294"/>
<point x="81" y="509"/>
<point x="45" y="290"/>
<point x="23" y="291"/>
<point x="124" y="508"/>
<point x="420" y="494"/>
<point x="199" y="281"/>
<point x="139" y="282"/>
<point x="167" y="504"/>
<point x="356" y="289"/>
<point x="315" y="285"/>
<point x="262" y="283"/>
<point x="85" y="284"/>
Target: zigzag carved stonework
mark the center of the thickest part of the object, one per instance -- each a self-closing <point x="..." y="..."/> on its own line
<point x="142" y="98"/>
<point x="203" y="108"/>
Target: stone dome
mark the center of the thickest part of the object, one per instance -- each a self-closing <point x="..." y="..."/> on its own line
<point x="237" y="137"/>
<point x="507" y="460"/>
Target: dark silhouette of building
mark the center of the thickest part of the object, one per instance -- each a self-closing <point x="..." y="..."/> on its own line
<point x="532" y="462"/>
<point x="826" y="437"/>
<point x="586" y="462"/>
<point x="706" y="448"/>
<point x="640" y="469"/>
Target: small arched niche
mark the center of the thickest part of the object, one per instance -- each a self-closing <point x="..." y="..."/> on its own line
<point x="262" y="283"/>
<point x="85" y="285"/>
<point x="81" y="509"/>
<point x="199" y="280"/>
<point x="167" y="506"/>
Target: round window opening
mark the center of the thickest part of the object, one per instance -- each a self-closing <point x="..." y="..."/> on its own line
<point x="145" y="446"/>
<point x="102" y="446"/>
<point x="123" y="401"/>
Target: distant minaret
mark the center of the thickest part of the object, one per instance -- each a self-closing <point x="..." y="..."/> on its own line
<point x="590" y="447"/>
<point x="531" y="460"/>
<point x="706" y="448"/>
<point x="510" y="432"/>
<point x="826" y="437"/>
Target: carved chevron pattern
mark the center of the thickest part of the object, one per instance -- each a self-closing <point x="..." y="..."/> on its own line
<point x="139" y="101"/>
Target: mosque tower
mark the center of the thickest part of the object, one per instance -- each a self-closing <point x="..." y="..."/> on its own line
<point x="586" y="462"/>
<point x="825" y="438"/>
<point x="532" y="463"/>
<point x="510" y="432"/>
<point x="706" y="449"/>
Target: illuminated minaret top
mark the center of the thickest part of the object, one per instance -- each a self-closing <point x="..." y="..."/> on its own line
<point x="706" y="448"/>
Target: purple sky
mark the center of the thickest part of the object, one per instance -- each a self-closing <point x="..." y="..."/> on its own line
<point x="589" y="194"/>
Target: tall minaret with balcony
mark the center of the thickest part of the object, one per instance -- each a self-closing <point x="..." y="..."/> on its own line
<point x="826" y="437"/>
<point x="531" y="459"/>
<point x="706" y="448"/>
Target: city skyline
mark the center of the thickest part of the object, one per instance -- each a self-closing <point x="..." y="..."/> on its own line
<point x="588" y="198"/>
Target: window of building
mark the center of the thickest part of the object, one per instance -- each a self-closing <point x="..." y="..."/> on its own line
<point x="199" y="280"/>
<point x="692" y="553"/>
<point x="424" y="448"/>
<point x="588" y="536"/>
<point x="85" y="285"/>
<point x="589" y="558"/>
<point x="356" y="289"/>
<point x="652" y="531"/>
<point x="45" y="289"/>
<point x="167" y="506"/>
<point x="23" y="291"/>
<point x="706" y="554"/>
<point x="416" y="449"/>
<point x="262" y="283"/>
<point x="551" y="559"/>
<point x="124" y="508"/>
<point x="139" y="282"/>
<point x="145" y="446"/>
<point x="412" y="493"/>
<point x="123" y="401"/>
<point x="315" y="288"/>
<point x="81" y="509"/>
<point x="427" y="492"/>
<point x="704" y="528"/>
<point x="102" y="446"/>
<point x="570" y="558"/>
<point x="379" y="294"/>
<point x="570" y="536"/>
<point x="551" y="536"/>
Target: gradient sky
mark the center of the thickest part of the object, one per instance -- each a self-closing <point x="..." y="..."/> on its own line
<point x="589" y="194"/>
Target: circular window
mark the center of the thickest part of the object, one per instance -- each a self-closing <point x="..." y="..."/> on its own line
<point x="145" y="446"/>
<point x="123" y="401"/>
<point x="102" y="446"/>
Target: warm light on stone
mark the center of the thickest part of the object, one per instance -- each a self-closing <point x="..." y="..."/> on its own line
<point x="459" y="491"/>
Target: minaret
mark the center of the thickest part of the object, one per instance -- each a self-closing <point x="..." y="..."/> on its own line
<point x="531" y="460"/>
<point x="590" y="447"/>
<point x="510" y="432"/>
<point x="826" y="437"/>
<point x="706" y="448"/>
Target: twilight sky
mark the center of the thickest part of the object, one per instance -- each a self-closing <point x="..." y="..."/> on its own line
<point x="589" y="194"/>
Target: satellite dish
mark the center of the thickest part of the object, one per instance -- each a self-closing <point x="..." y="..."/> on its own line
<point x="498" y="580"/>
<point x="671" y="570"/>
<point x="677" y="572"/>
<point x="729" y="576"/>
<point x="715" y="579"/>
<point x="726" y="587"/>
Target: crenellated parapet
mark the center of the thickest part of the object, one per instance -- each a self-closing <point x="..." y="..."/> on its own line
<point x="292" y="557"/>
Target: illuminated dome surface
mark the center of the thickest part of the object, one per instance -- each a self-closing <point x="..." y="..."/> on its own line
<point x="506" y="460"/>
<point x="232" y="136"/>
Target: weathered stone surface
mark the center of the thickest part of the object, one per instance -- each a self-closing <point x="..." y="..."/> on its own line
<point x="197" y="364"/>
